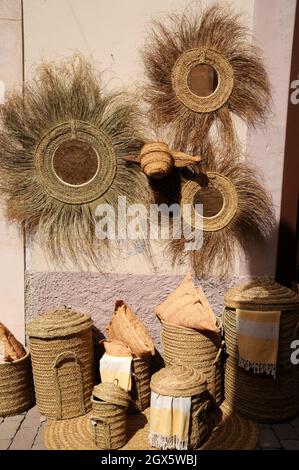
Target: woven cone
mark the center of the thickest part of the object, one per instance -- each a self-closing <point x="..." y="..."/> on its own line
<point x="232" y="433"/>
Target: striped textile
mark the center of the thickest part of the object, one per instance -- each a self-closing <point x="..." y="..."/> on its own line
<point x="116" y="370"/>
<point x="257" y="339"/>
<point x="169" y="422"/>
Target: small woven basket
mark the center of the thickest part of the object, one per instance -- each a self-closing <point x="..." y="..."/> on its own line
<point x="259" y="396"/>
<point x="182" y="381"/>
<point x="109" y="419"/>
<point x="200" y="350"/>
<point x="141" y="378"/>
<point x="16" y="386"/>
<point x="62" y="361"/>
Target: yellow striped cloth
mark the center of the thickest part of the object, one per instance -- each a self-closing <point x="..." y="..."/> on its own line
<point x="257" y="339"/>
<point x="116" y="370"/>
<point x="169" y="422"/>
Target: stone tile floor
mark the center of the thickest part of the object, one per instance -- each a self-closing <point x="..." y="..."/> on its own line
<point x="26" y="431"/>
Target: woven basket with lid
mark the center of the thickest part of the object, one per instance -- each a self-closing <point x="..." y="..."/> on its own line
<point x="16" y="386"/>
<point x="182" y="381"/>
<point x="62" y="361"/>
<point x="197" y="349"/>
<point x="109" y="419"/>
<point x="259" y="396"/>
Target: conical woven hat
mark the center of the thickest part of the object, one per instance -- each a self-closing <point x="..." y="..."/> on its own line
<point x="232" y="433"/>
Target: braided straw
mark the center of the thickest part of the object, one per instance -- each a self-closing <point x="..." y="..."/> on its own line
<point x="196" y="349"/>
<point x="110" y="393"/>
<point x="141" y="375"/>
<point x="230" y="432"/>
<point x="190" y="59"/>
<point x="258" y="396"/>
<point x="108" y="420"/>
<point x="229" y="207"/>
<point x="62" y="362"/>
<point x="16" y="386"/>
<point x="84" y="132"/>
<point x="178" y="380"/>
<point x="262" y="295"/>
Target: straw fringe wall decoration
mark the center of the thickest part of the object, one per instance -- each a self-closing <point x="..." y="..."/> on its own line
<point x="217" y="40"/>
<point x="64" y="113"/>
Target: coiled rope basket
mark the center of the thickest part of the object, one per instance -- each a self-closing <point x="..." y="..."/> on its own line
<point x="63" y="363"/>
<point x="259" y="396"/>
<point x="198" y="350"/>
<point x="109" y="420"/>
<point x="183" y="381"/>
<point x="16" y="386"/>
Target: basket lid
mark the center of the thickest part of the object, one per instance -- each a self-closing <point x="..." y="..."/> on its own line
<point x="262" y="295"/>
<point x="111" y="393"/>
<point x="178" y="381"/>
<point x="60" y="322"/>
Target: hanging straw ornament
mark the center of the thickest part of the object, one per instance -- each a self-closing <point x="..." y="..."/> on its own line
<point x="62" y="144"/>
<point x="201" y="69"/>
<point x="235" y="209"/>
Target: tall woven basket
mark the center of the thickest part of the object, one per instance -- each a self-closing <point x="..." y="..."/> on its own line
<point x="141" y="378"/>
<point x="183" y="381"/>
<point x="62" y="360"/>
<point x="109" y="420"/>
<point x="199" y="350"/>
<point x="259" y="396"/>
<point x="16" y="386"/>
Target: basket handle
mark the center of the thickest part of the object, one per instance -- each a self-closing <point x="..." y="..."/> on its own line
<point x="107" y="434"/>
<point x="218" y="356"/>
<point x="59" y="358"/>
<point x="65" y="355"/>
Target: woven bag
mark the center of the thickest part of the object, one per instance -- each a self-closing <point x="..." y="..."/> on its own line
<point x="109" y="420"/>
<point x="63" y="363"/>
<point x="197" y="349"/>
<point x="141" y="378"/>
<point x="259" y="396"/>
<point x="183" y="381"/>
<point x="16" y="386"/>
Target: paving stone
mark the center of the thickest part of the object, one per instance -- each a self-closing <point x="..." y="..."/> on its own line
<point x="39" y="447"/>
<point x="39" y="439"/>
<point x="1" y="419"/>
<point x="290" y="444"/>
<point x="8" y="429"/>
<point x="32" y="418"/>
<point x="4" y="444"/>
<point x="14" y="419"/>
<point x="285" y="431"/>
<point x="24" y="438"/>
<point x="268" y="439"/>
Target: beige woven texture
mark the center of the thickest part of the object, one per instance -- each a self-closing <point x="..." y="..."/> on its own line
<point x="16" y="386"/>
<point x="230" y="432"/>
<point x="196" y="349"/>
<point x="62" y="360"/>
<point x="141" y="377"/>
<point x="187" y="61"/>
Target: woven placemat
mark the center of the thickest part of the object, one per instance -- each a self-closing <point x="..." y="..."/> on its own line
<point x="232" y="433"/>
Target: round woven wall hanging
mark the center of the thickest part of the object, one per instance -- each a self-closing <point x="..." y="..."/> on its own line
<point x="62" y="145"/>
<point x="234" y="208"/>
<point x="201" y="69"/>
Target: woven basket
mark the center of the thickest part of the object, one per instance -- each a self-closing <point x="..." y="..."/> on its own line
<point x="141" y="378"/>
<point x="199" y="350"/>
<point x="62" y="360"/>
<point x="109" y="420"/>
<point x="16" y="386"/>
<point x="182" y="381"/>
<point x="258" y="396"/>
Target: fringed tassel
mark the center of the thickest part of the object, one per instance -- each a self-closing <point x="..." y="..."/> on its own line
<point x="257" y="368"/>
<point x="167" y="442"/>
